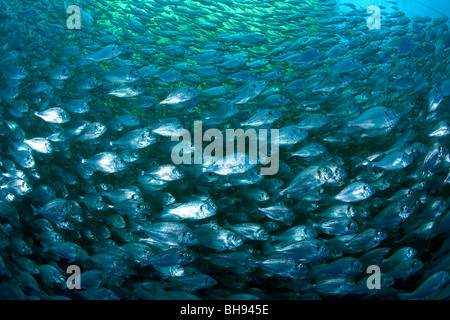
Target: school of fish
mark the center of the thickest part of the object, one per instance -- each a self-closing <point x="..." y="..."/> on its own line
<point x="87" y="179"/>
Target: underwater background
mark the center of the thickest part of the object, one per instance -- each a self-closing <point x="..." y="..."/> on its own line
<point x="96" y="95"/>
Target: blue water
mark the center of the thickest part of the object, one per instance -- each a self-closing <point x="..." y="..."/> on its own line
<point x="94" y="100"/>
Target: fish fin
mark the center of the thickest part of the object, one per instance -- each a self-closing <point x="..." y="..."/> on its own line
<point x="134" y="226"/>
<point x="310" y="223"/>
<point x="227" y="225"/>
<point x="436" y="255"/>
<point x="403" y="296"/>
<point x="277" y="195"/>
<point x="275" y="238"/>
<point x="35" y="211"/>
<point x="268" y="249"/>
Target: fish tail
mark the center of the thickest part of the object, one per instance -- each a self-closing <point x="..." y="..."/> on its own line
<point x="134" y="226"/>
<point x="277" y="195"/>
<point x="310" y="223"/>
<point x="268" y="249"/>
<point x="226" y="224"/>
<point x="403" y="296"/>
<point x="35" y="211"/>
<point x="45" y="247"/>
